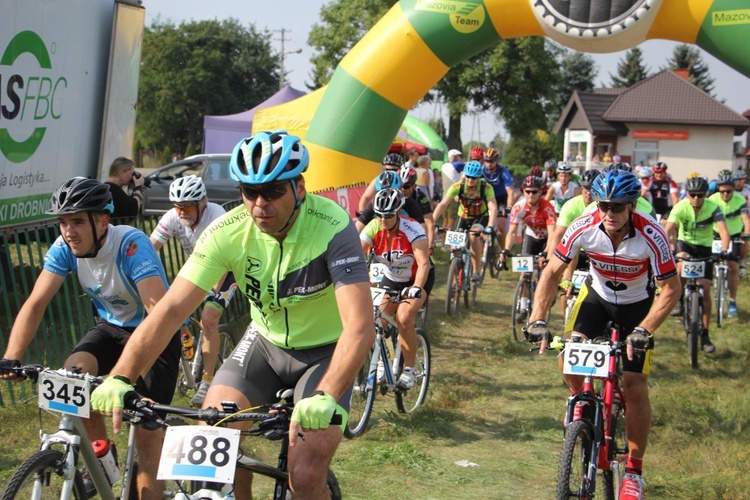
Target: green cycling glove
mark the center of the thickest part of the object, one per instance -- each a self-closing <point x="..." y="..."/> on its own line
<point x="109" y="395"/>
<point x="315" y="412"/>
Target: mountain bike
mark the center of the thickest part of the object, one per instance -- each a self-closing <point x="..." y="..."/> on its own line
<point x="597" y="441"/>
<point x="380" y="371"/>
<point x="53" y="472"/>
<point x="377" y="272"/>
<point x="203" y="458"/>
<point x="523" y="298"/>
<point x="490" y="256"/>
<point x="460" y="270"/>
<point x="693" y="270"/>
<point x="191" y="369"/>
<point x="721" y="289"/>
<point x="577" y="280"/>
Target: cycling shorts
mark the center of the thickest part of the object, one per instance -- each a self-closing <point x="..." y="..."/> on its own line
<point x="106" y="342"/>
<point x="220" y="301"/>
<point x="469" y="222"/>
<point x="591" y="314"/>
<point x="400" y="285"/>
<point x="259" y="368"/>
<point x="533" y="246"/>
<point x="502" y="201"/>
<point x="697" y="251"/>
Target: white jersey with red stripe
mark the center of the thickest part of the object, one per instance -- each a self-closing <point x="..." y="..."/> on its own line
<point x="621" y="276"/>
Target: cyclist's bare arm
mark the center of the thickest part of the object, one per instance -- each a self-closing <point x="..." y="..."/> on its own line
<point x="511" y="190"/>
<point x="440" y="207"/>
<point x="492" y="207"/>
<point x="157" y="244"/>
<point x="155" y="332"/>
<point x="429" y="228"/>
<point x="512" y="230"/>
<point x="547" y="288"/>
<point x="151" y="290"/>
<point x="557" y="235"/>
<point x="357" y="337"/>
<point x="670" y="228"/>
<point x="30" y="316"/>
<point x="551" y="245"/>
<point x="368" y="195"/>
<point x="422" y="256"/>
<point x="726" y="242"/>
<point x="671" y="289"/>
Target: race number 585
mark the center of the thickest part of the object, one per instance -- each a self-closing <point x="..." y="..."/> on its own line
<point x="196" y="452"/>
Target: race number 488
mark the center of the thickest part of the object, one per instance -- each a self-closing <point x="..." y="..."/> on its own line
<point x="196" y="452"/>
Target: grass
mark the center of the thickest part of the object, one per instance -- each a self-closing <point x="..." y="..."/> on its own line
<point x="492" y="424"/>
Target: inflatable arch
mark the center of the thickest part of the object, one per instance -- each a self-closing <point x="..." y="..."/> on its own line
<point x="374" y="85"/>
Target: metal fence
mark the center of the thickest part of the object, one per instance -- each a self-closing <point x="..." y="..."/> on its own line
<point x="70" y="313"/>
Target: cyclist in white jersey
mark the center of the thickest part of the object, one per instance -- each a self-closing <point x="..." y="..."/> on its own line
<point x="627" y="249"/>
<point x="192" y="213"/>
<point x="563" y="189"/>
<point x="120" y="271"/>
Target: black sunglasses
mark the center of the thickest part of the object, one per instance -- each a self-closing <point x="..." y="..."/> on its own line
<point x="470" y="177"/>
<point x="408" y="186"/>
<point x="726" y="191"/>
<point x="269" y="192"/>
<point x="531" y="191"/>
<point x="616" y="208"/>
<point x="697" y="195"/>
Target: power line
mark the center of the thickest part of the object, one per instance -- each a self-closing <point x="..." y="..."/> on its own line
<point x="283" y="39"/>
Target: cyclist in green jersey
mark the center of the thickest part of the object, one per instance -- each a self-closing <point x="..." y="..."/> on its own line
<point x="696" y="216"/>
<point x="298" y="260"/>
<point x="737" y="217"/>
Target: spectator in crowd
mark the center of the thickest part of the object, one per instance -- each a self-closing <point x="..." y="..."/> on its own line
<point x="121" y="175"/>
<point x="451" y="171"/>
<point x="607" y="159"/>
<point x="411" y="157"/>
<point x="580" y="157"/>
<point x="425" y="180"/>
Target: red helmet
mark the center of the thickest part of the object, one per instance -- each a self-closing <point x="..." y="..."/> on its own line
<point x="477" y="153"/>
<point x="660" y="167"/>
<point x="536" y="171"/>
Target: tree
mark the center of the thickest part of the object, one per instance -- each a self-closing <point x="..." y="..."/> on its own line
<point x="342" y="25"/>
<point x="631" y="70"/>
<point x="525" y="151"/>
<point x="686" y="56"/>
<point x="577" y="72"/>
<point x="196" y="69"/>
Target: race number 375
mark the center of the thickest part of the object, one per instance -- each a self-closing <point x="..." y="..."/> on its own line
<point x="198" y="452"/>
<point x="586" y="359"/>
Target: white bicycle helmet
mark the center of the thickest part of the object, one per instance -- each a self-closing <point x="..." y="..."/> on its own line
<point x="645" y="172"/>
<point x="188" y="188"/>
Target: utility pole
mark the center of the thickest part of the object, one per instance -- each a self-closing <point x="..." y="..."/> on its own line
<point x="283" y="54"/>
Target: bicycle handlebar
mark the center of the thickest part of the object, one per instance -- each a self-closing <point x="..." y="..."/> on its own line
<point x="32" y="372"/>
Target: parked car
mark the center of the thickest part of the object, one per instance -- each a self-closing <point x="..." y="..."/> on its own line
<point x="212" y="168"/>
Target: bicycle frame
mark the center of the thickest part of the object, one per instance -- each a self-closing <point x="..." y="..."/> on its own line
<point x="381" y="352"/>
<point x="603" y="441"/>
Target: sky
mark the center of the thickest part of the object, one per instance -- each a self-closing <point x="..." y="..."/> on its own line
<point x="296" y="17"/>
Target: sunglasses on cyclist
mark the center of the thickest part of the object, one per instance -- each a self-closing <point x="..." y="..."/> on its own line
<point x="269" y="192"/>
<point x="185" y="207"/>
<point x="726" y="191"/>
<point x="697" y="195"/>
<point x="407" y="186"/>
<point x="470" y="177"/>
<point x="386" y="216"/>
<point x="616" y="208"/>
<point x="531" y="191"/>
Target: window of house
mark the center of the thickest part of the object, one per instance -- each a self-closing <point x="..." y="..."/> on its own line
<point x="646" y="151"/>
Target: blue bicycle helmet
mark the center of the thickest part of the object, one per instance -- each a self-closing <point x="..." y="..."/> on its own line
<point x="588" y="177"/>
<point x="268" y="157"/>
<point x="616" y="186"/>
<point x="473" y="169"/>
<point x="388" y="179"/>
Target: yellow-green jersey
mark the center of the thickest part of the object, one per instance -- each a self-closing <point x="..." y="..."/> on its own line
<point x="733" y="211"/>
<point x="696" y="229"/>
<point x="471" y="207"/>
<point x="290" y="284"/>
<point x="641" y="204"/>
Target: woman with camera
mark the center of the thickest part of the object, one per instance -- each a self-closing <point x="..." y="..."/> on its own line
<point x="121" y="175"/>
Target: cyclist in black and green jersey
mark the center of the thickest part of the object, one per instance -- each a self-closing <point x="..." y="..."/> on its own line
<point x="696" y="216"/>
<point x="298" y="259"/>
<point x="737" y="217"/>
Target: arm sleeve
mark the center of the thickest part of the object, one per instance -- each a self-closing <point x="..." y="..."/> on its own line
<point x="368" y="233"/>
<point x="570" y="243"/>
<point x="367" y="214"/>
<point x="346" y="261"/>
<point x="163" y="231"/>
<point x="718" y="215"/>
<point x="59" y="259"/>
<point x="507" y="177"/>
<point x="141" y="258"/>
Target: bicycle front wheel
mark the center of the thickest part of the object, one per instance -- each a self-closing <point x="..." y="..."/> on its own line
<point x="41" y="477"/>
<point x="333" y="486"/>
<point x="721" y="296"/>
<point x="409" y="400"/>
<point x="421" y="318"/>
<point x="493" y="258"/>
<point x="520" y="313"/>
<point x="363" y="398"/>
<point x="453" y="287"/>
<point x="572" y="477"/>
<point x="470" y="293"/>
<point x="696" y="325"/>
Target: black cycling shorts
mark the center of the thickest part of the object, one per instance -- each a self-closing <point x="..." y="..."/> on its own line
<point x="106" y="342"/>
<point x="698" y="252"/>
<point x="532" y="246"/>
<point x="591" y="314"/>
<point x="400" y="285"/>
<point x="259" y="368"/>
<point x="467" y="223"/>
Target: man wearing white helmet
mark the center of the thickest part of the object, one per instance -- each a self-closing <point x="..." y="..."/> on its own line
<point x="192" y="213"/>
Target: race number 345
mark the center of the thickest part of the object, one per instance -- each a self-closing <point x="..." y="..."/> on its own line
<point x="197" y="452"/>
<point x="64" y="395"/>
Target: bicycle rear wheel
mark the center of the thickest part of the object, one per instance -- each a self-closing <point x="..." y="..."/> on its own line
<point x="409" y="400"/>
<point x="572" y="476"/>
<point x="40" y="477"/>
<point x="520" y="314"/>
<point x="453" y="287"/>
<point x="226" y="346"/>
<point x="362" y="400"/>
<point x="721" y="296"/>
<point x="618" y="446"/>
<point x="696" y="326"/>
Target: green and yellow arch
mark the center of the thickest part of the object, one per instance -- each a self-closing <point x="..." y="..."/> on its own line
<point x="375" y="85"/>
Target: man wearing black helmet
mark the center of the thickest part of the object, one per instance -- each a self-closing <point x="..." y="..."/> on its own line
<point x="696" y="217"/>
<point x="392" y="161"/>
<point x="120" y="271"/>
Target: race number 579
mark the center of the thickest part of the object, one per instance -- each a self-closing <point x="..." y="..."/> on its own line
<point x="586" y="359"/>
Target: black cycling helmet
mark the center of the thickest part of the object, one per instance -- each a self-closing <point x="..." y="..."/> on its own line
<point x="533" y="182"/>
<point x="394" y="159"/>
<point x="550" y="165"/>
<point x="80" y="194"/>
<point x="724" y="177"/>
<point x="696" y="184"/>
<point x="587" y="178"/>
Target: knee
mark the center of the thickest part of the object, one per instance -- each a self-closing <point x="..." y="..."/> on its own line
<point x="210" y="318"/>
